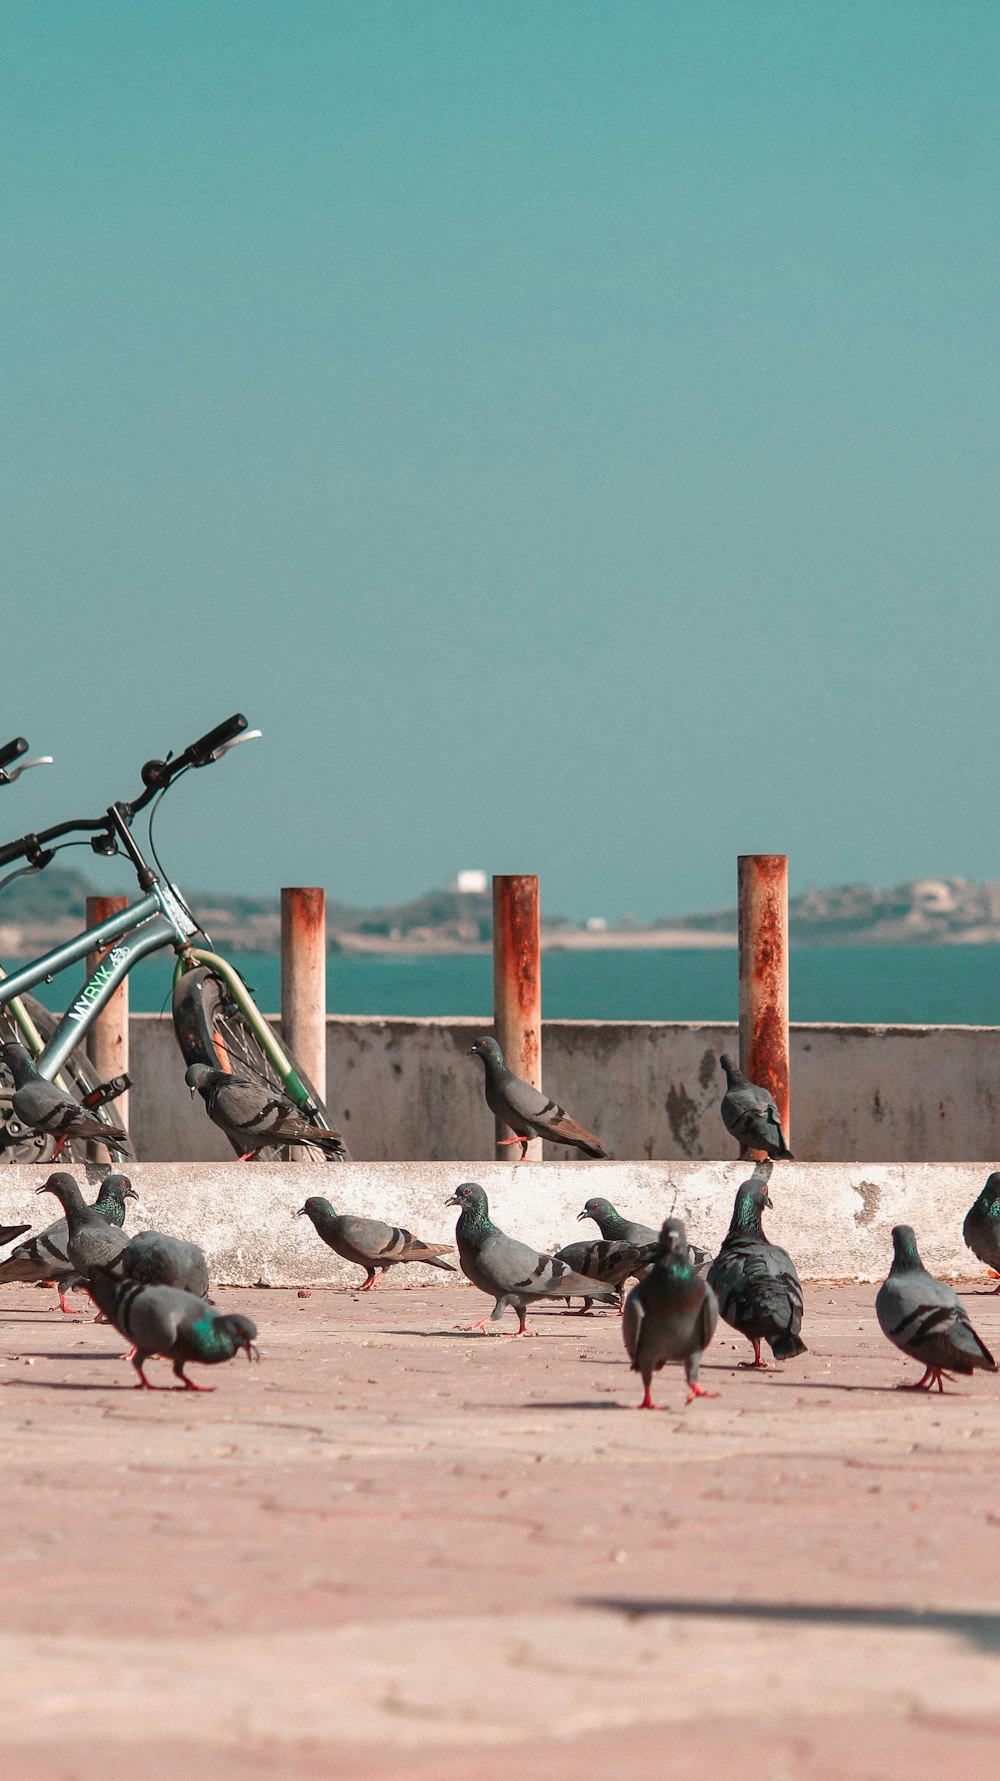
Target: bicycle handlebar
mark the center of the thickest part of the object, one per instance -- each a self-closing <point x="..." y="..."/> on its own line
<point x="12" y="751"/>
<point x="156" y="776"/>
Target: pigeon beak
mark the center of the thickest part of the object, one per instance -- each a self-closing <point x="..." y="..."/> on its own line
<point x="129" y="1193"/>
<point x="45" y="1189"/>
<point x="301" y="1213"/>
<point x="581" y="1215"/>
<point x="253" y="1352"/>
<point x="472" y="1052"/>
<point x="454" y="1201"/>
<point x="769" y="1203"/>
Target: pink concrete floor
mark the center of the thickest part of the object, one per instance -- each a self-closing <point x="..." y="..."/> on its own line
<point x="395" y="1550"/>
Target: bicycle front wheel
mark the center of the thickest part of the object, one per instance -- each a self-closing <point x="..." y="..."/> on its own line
<point x="212" y="1029"/>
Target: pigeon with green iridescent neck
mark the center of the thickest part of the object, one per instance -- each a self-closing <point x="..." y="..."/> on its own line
<point x="510" y="1272"/>
<point x="525" y="1110"/>
<point x="750" y="1114"/>
<point x="45" y="1256"/>
<point x="611" y="1264"/>
<point x="255" y="1116"/>
<point x="374" y="1246"/>
<point x="92" y="1240"/>
<point x="178" y="1325"/>
<point x="45" y="1110"/>
<point x="926" y="1318"/>
<point x="759" y="1292"/>
<point x="670" y="1317"/>
<point x="617" y="1229"/>
<point x="981" y="1229"/>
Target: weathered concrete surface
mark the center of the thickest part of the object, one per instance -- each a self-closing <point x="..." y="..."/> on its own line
<point x="407" y="1089"/>
<point x="834" y="1218"/>
<point x="395" y="1551"/>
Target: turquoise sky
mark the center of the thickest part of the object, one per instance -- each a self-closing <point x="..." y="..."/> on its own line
<point x="568" y="430"/>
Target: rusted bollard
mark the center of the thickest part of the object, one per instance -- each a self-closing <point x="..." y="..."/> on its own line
<point x="107" y="1041"/>
<point x="517" y="989"/>
<point x="763" y="949"/>
<point x="303" y="980"/>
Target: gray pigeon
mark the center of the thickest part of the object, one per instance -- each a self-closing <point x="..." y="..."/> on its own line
<point x="154" y="1259"/>
<point x="44" y="1109"/>
<point x="44" y="1257"/>
<point x="523" y="1108"/>
<point x="926" y="1318"/>
<point x="670" y="1316"/>
<point x="92" y="1241"/>
<point x="750" y="1115"/>
<point x="256" y="1117"/>
<point x="615" y="1228"/>
<point x="609" y="1263"/>
<point x="164" y="1320"/>
<point x="758" y="1290"/>
<point x="981" y="1229"/>
<point x="373" y="1245"/>
<point x="510" y="1272"/>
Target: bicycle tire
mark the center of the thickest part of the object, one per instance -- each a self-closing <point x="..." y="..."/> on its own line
<point x="29" y="1148"/>
<point x="212" y="1029"/>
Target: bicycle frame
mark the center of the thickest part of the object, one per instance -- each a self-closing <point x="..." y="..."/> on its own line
<point x="156" y="921"/>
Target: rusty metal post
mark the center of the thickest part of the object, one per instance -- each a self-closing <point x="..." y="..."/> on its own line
<point x="763" y="950"/>
<point x="517" y="989"/>
<point x="107" y="1041"/>
<point x="303" y="980"/>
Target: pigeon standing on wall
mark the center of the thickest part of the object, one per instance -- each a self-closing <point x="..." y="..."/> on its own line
<point x="758" y="1289"/>
<point x="670" y="1316"/>
<point x="528" y="1112"/>
<point x="510" y="1272"/>
<point x="750" y="1115"/>
<point x="374" y="1246"/>
<point x="164" y="1320"/>
<point x="44" y="1257"/>
<point x="981" y="1229"/>
<point x="926" y="1318"/>
<point x="45" y="1110"/>
<point x="256" y="1117"/>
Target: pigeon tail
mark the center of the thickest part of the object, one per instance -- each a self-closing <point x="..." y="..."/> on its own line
<point x="786" y="1347"/>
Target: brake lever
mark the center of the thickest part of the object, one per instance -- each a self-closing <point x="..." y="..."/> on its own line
<point x="247" y="736"/>
<point x="9" y="774"/>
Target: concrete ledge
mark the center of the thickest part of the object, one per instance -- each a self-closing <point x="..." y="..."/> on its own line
<point x="833" y="1218"/>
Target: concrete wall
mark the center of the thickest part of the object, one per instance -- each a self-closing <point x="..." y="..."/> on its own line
<point x="834" y="1219"/>
<point x="407" y="1089"/>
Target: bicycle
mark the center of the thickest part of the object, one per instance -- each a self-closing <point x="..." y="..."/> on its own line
<point x="215" y="1019"/>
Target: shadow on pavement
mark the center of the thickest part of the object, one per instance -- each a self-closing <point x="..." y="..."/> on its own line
<point x="979" y="1628"/>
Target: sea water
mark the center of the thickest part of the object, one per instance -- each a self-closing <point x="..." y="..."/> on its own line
<point x="922" y="985"/>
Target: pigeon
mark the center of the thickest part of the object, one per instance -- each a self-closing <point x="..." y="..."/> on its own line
<point x="374" y="1246"/>
<point x="528" y="1112"/>
<point x="256" y="1117"/>
<point x="44" y="1257"/>
<point x="92" y="1241"/>
<point x="510" y="1272"/>
<point x="615" y="1228"/>
<point x="154" y="1259"/>
<point x="610" y="1263"/>
<point x="164" y="1320"/>
<point x="670" y="1316"/>
<point x="981" y="1229"/>
<point x="926" y="1318"/>
<point x="44" y="1109"/>
<point x="756" y="1284"/>
<point x="750" y="1114"/>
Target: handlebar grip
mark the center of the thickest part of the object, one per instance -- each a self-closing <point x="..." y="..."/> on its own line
<point x="12" y="751"/>
<point x="14" y="850"/>
<point x="201" y="752"/>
